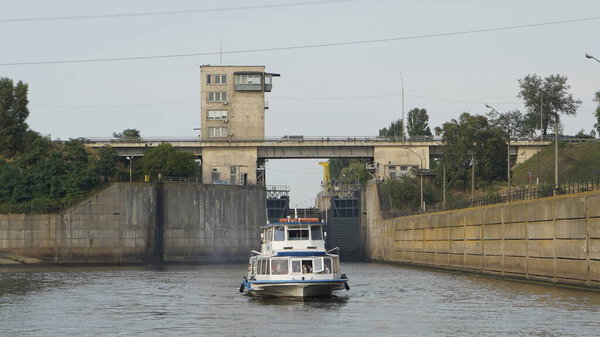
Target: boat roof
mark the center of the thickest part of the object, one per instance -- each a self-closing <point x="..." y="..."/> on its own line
<point x="294" y="222"/>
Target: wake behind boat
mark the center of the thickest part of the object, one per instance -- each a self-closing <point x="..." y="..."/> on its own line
<point x="293" y="262"/>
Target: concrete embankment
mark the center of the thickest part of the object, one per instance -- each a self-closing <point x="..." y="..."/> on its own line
<point x="133" y="223"/>
<point x="554" y="239"/>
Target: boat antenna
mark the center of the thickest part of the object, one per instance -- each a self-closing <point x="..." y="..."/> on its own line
<point x="295" y="213"/>
<point x="267" y="214"/>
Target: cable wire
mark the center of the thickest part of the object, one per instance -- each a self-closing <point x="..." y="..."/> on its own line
<point x="111" y="106"/>
<point x="177" y="12"/>
<point x="309" y="46"/>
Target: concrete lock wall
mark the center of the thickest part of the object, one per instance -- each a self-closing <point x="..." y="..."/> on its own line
<point x="132" y="223"/>
<point x="554" y="239"/>
<point x="212" y="223"/>
<point x="115" y="225"/>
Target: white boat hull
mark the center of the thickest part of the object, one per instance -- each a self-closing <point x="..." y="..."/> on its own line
<point x="293" y="288"/>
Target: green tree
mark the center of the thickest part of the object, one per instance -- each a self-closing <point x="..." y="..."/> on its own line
<point x="597" y="112"/>
<point x="582" y="135"/>
<point x="336" y="165"/>
<point x="417" y="123"/>
<point x="168" y="161"/>
<point x="128" y="134"/>
<point x="551" y="96"/>
<point x="404" y="193"/>
<point x="354" y="172"/>
<point x="106" y="161"/>
<point x="13" y="114"/>
<point x="469" y="138"/>
<point x="395" y="130"/>
<point x="512" y="122"/>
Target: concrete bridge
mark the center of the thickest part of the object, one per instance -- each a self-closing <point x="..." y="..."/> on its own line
<point x="241" y="161"/>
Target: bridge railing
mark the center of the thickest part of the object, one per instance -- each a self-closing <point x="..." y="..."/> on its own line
<point x="281" y="139"/>
<point x="308" y="139"/>
<point x="542" y="191"/>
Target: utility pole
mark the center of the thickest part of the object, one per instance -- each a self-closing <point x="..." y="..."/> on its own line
<point x="444" y="176"/>
<point x="556" y="151"/>
<point x="537" y="157"/>
<point x="403" y="121"/>
<point x="508" y="131"/>
<point x="472" y="176"/>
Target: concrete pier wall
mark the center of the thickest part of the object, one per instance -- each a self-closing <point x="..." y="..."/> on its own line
<point x="554" y="239"/>
<point x="212" y="223"/>
<point x="132" y="223"/>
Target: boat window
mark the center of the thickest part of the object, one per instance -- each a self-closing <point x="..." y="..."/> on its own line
<point x="253" y="269"/>
<point x="316" y="233"/>
<point x="279" y="233"/>
<point x="279" y="267"/>
<point x="318" y="265"/>
<point x="328" y="268"/>
<point x="268" y="265"/>
<point x="296" y="266"/>
<point x="259" y="267"/>
<point x="326" y="265"/>
<point x="298" y="234"/>
<point x="307" y="266"/>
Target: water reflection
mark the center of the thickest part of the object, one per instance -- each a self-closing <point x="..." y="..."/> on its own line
<point x="331" y="302"/>
<point x="383" y="300"/>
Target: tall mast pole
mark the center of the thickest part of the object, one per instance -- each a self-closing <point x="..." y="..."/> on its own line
<point x="403" y="121"/>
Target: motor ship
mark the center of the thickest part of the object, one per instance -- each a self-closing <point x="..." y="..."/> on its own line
<point x="293" y="262"/>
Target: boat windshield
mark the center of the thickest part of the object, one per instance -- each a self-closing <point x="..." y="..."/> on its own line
<point x="316" y="233"/>
<point x="297" y="234"/>
<point x="279" y="233"/>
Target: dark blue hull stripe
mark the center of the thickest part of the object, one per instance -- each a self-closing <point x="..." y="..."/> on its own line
<point x="299" y="281"/>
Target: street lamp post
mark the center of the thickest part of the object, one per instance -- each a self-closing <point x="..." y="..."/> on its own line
<point x="507" y="148"/>
<point x="130" y="160"/>
<point x="472" y="175"/>
<point x="421" y="174"/>
<point x="591" y="57"/>
<point x="443" y="176"/>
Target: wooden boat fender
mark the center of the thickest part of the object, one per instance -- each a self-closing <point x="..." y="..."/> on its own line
<point x="346" y="286"/>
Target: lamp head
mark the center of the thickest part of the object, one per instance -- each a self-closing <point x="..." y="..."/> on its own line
<point x="588" y="56"/>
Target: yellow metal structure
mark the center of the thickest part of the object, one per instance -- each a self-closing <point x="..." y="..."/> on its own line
<point x="326" y="177"/>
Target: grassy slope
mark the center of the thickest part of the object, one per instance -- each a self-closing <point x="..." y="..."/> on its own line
<point x="577" y="161"/>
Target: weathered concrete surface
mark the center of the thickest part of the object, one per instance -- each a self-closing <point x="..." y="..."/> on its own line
<point x="115" y="225"/>
<point x="554" y="239"/>
<point x="132" y="223"/>
<point x="211" y="223"/>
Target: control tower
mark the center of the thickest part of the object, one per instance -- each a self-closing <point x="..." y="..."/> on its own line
<point x="233" y="102"/>
<point x="232" y="108"/>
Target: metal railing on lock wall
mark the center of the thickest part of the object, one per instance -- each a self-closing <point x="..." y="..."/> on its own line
<point x="155" y="179"/>
<point x="542" y="191"/>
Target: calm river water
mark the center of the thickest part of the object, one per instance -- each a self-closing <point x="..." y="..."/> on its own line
<point x="383" y="300"/>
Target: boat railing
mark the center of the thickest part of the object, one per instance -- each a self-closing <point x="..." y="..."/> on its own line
<point x="337" y="249"/>
<point x="255" y="252"/>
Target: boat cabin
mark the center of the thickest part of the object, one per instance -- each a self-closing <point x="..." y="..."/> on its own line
<point x="294" y="237"/>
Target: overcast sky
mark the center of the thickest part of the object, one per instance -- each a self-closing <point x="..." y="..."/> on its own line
<point x="337" y="90"/>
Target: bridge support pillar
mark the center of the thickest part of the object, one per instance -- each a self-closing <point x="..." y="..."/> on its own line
<point x="229" y="165"/>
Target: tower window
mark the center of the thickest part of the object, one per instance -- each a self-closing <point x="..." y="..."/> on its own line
<point x="216" y="79"/>
<point x="217" y="131"/>
<point x="217" y="96"/>
<point x="247" y="79"/>
<point x="217" y="114"/>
